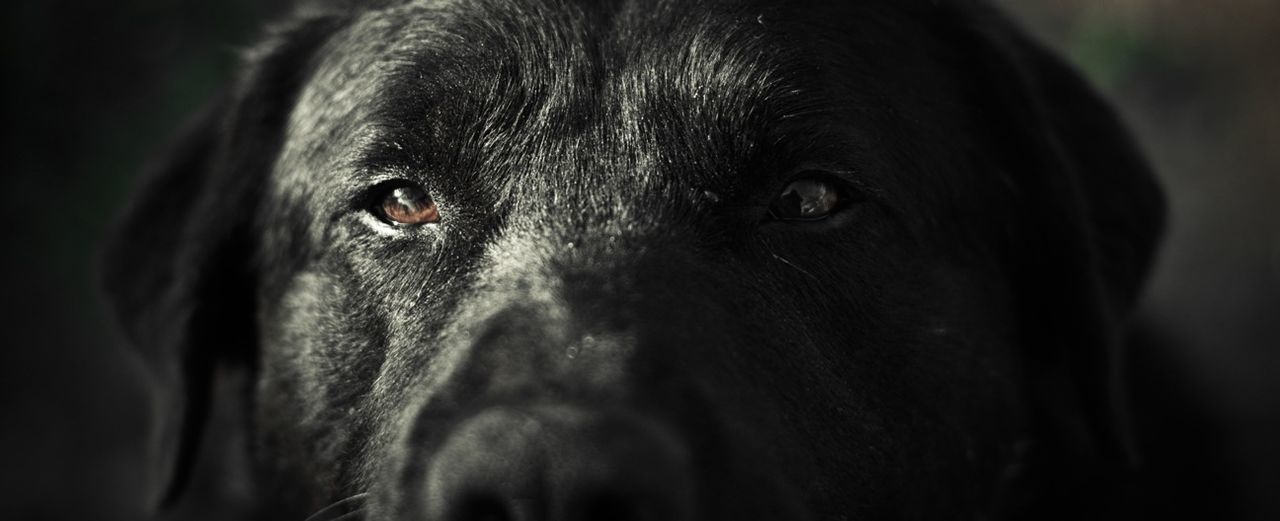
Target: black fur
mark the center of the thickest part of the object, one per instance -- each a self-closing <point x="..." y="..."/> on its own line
<point x="607" y="270"/>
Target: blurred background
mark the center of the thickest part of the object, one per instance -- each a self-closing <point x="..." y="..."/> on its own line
<point x="92" y="87"/>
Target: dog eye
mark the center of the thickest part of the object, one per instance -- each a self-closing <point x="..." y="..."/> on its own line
<point x="405" y="205"/>
<point x="807" y="199"/>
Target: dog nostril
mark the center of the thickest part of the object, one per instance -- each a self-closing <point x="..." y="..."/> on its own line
<point x="481" y="508"/>
<point x="609" y="506"/>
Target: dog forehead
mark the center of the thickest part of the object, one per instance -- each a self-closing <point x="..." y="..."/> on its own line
<point x="560" y="85"/>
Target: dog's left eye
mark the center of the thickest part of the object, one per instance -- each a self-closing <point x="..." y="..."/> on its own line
<point x="807" y="199"/>
<point x="405" y="204"/>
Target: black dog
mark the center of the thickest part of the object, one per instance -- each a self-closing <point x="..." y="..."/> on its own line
<point x="561" y="260"/>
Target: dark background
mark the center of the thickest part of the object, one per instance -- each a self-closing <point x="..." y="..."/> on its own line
<point x="92" y="87"/>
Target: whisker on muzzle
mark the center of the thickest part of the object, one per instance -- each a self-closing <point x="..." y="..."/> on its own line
<point x="347" y="509"/>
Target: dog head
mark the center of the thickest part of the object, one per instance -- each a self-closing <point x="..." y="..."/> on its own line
<point x="654" y="260"/>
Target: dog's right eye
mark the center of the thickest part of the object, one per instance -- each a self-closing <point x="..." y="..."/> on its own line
<point x="404" y="203"/>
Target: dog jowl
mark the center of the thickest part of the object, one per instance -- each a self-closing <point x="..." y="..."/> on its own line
<point x="557" y="260"/>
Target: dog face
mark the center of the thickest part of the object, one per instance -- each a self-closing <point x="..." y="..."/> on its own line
<point x="543" y="260"/>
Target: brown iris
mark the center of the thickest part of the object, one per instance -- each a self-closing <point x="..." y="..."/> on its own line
<point x="409" y="206"/>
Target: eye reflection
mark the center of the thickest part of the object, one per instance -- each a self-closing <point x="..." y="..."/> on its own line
<point x="808" y="199"/>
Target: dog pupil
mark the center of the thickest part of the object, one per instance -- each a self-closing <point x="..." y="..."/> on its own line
<point x="805" y="199"/>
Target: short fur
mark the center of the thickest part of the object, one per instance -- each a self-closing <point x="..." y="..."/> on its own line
<point x="606" y="266"/>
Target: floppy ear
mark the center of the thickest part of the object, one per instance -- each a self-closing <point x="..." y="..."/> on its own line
<point x="1091" y="215"/>
<point x="177" y="269"/>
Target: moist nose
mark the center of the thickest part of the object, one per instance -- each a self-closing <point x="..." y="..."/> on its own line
<point x="559" y="464"/>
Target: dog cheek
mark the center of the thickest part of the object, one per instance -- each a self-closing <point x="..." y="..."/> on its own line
<point x="321" y="350"/>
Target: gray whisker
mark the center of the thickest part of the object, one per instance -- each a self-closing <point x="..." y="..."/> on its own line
<point x="350" y="508"/>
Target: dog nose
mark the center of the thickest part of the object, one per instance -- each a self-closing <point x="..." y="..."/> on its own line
<point x="559" y="463"/>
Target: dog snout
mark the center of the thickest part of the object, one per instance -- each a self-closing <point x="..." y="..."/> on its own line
<point x="559" y="463"/>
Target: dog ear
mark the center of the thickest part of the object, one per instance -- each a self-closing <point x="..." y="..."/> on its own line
<point x="177" y="269"/>
<point x="1091" y="215"/>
